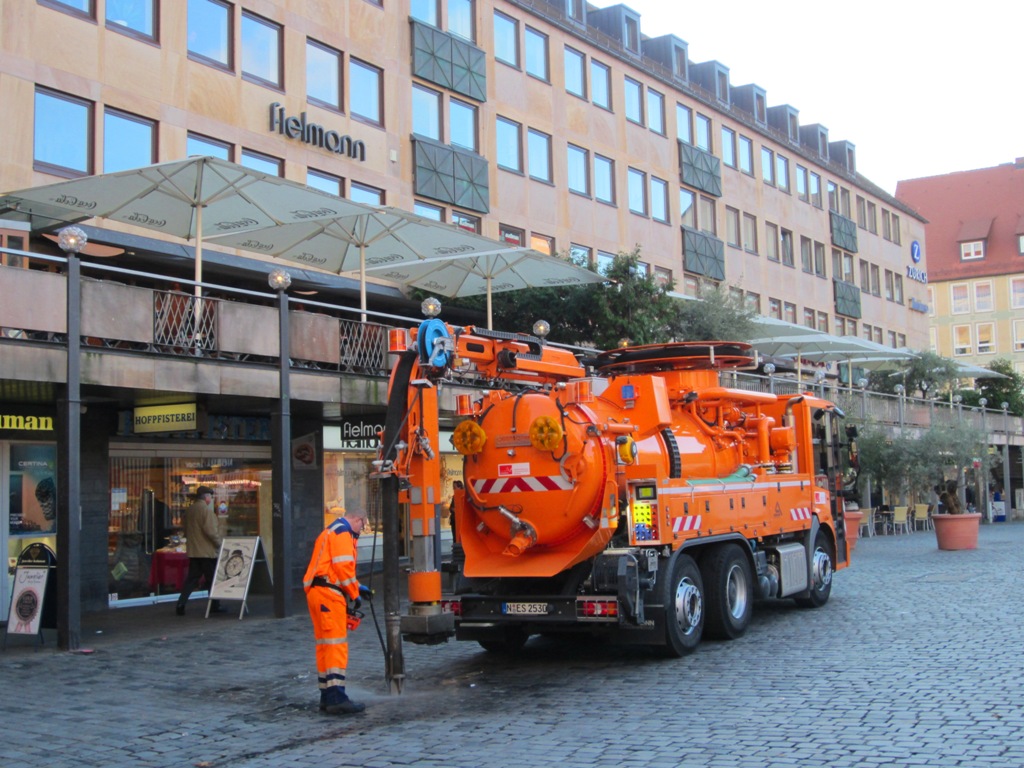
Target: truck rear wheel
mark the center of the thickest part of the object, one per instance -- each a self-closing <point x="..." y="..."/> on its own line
<point x="728" y="587"/>
<point x="684" y="607"/>
<point x="822" y="569"/>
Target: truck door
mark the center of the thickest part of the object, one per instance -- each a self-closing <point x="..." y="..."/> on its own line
<point x="829" y="461"/>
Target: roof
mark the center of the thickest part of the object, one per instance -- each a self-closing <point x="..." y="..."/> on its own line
<point x="983" y="204"/>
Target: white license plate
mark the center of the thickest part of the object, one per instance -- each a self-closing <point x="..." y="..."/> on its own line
<point x="525" y="608"/>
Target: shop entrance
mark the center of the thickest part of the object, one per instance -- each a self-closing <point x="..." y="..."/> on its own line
<point x="150" y="489"/>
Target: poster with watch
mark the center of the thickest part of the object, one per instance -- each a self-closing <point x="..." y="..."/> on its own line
<point x="238" y="555"/>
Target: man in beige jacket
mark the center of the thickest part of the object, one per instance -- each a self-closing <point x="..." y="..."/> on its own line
<point x="202" y="542"/>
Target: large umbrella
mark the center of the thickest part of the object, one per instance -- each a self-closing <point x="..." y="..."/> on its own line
<point x="461" y="274"/>
<point x="191" y="199"/>
<point x="860" y="352"/>
<point x="787" y="340"/>
<point x="384" y="241"/>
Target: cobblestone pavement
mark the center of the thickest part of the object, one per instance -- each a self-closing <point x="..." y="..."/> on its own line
<point x="916" y="660"/>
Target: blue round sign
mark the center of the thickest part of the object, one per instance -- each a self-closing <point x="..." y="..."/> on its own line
<point x="915" y="251"/>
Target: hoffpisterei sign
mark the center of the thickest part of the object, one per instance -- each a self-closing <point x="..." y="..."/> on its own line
<point x="315" y="134"/>
<point x="165" y="418"/>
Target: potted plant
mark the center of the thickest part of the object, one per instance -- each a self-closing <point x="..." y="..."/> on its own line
<point x="955" y="528"/>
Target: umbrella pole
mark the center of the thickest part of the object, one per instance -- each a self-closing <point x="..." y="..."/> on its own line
<point x="490" y="313"/>
<point x="198" y="309"/>
<point x="362" y="281"/>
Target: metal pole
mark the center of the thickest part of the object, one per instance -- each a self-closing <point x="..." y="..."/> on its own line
<point x="986" y="508"/>
<point x="282" y="469"/>
<point x="1007" y="500"/>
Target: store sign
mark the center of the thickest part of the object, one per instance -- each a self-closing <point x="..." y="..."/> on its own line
<point x="914" y="273"/>
<point x="918" y="306"/>
<point x="23" y="422"/>
<point x="165" y="418"/>
<point x="314" y="133"/>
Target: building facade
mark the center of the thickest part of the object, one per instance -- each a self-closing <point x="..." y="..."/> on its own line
<point x="549" y="123"/>
<point x="975" y="235"/>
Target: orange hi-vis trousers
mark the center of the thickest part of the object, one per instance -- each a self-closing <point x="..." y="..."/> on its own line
<point x="328" y="610"/>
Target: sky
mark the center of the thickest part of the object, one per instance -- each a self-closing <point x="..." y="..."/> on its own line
<point x="920" y="88"/>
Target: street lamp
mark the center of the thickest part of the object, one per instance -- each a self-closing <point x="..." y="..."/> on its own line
<point x="956" y="400"/>
<point x="819" y="379"/>
<point x="1007" y="502"/>
<point x="901" y="393"/>
<point x="769" y="368"/>
<point x="69" y="522"/>
<point x="281" y="468"/>
<point x="863" y="384"/>
<point x="986" y="510"/>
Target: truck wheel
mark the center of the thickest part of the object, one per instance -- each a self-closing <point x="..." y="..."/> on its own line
<point x="511" y="640"/>
<point x="728" y="586"/>
<point x="821" y="573"/>
<point x="684" y="607"/>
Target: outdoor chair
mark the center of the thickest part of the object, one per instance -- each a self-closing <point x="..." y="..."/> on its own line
<point x="900" y="519"/>
<point x="867" y="523"/>
<point x="922" y="517"/>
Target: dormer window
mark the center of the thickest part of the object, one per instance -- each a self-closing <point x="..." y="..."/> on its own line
<point x="760" y="109"/>
<point x="972" y="250"/>
<point x="631" y="33"/>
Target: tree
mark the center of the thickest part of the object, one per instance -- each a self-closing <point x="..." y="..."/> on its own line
<point x="1003" y="390"/>
<point x="928" y="372"/>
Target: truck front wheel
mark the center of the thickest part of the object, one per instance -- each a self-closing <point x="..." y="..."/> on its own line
<point x="728" y="587"/>
<point x="822" y="569"/>
<point x="684" y="607"/>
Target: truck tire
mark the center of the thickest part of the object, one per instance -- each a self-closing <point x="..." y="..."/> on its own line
<point x="684" y="607"/>
<point x="728" y="591"/>
<point x="822" y="570"/>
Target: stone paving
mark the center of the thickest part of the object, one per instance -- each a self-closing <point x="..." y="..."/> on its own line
<point x="915" y="661"/>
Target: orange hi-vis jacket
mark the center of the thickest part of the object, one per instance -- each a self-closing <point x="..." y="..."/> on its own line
<point x="334" y="559"/>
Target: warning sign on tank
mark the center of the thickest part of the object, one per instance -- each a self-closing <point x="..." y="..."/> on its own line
<point x="514" y="470"/>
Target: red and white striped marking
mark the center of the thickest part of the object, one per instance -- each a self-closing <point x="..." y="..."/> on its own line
<point x="686" y="523"/>
<point x="521" y="484"/>
<point x="801" y="513"/>
<point x="820" y="498"/>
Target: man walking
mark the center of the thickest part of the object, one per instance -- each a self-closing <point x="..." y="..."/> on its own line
<point x="331" y="588"/>
<point x="202" y="542"/>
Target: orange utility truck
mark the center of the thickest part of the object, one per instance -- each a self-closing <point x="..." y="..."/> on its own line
<point x="629" y="495"/>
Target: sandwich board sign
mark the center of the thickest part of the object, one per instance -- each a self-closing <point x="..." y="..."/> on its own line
<point x="235" y="566"/>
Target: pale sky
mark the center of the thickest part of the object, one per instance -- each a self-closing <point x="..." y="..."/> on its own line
<point x="920" y="88"/>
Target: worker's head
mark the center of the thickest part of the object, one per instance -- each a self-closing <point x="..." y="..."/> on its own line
<point x="356" y="518"/>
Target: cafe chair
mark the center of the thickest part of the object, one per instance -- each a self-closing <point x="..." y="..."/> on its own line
<point x="867" y="523"/>
<point x="900" y="519"/>
<point x="922" y="517"/>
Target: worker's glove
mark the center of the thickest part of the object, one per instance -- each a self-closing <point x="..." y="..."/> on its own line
<point x="353" y="605"/>
<point x="365" y="592"/>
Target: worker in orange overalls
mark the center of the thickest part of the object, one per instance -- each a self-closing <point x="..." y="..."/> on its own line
<point x="331" y="589"/>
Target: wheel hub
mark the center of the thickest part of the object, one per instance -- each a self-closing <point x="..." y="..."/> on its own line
<point x="689" y="606"/>
<point x="821" y="569"/>
<point x="736" y="592"/>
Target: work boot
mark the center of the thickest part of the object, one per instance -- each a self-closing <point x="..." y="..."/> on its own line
<point x="346" y="707"/>
<point x="179" y="609"/>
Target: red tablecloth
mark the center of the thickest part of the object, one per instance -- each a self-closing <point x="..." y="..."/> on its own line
<point x="168" y="569"/>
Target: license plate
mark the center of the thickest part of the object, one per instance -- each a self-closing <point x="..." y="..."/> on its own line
<point x="530" y="609"/>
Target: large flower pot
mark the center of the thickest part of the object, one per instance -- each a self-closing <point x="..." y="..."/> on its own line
<point x="957" y="531"/>
<point x="853" y="520"/>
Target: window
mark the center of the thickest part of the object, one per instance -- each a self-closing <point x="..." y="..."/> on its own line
<point x="752" y="302"/>
<point x="931" y="300"/>
<point x="810" y="317"/>
<point x="732" y="226"/>
<point x="862" y="212"/>
<point x="600" y="85"/>
<point x="866" y="329"/>
<point x="506" y="39"/>
<point x="129" y="141"/>
<point x="775" y="308"/>
<point x="768" y="166"/>
<point x="257" y="161"/>
<point x="510" y="145"/>
<point x="135" y="16"/>
<point x="898" y="288"/>
<point x="426" y="112"/>
<point x="889" y="285"/>
<point x="579" y="170"/>
<point x="536" y="55"/>
<point x="466" y="221"/>
<point x="806" y="255"/>
<point x="511" y="235"/>
<point x="575" y="10"/>
<point x="815" y="190"/>
<point x="746" y="155"/>
<point x="986" y="338"/>
<point x="844" y="202"/>
<point x="659" y="199"/>
<point x="604" y="179"/>
<point x="82" y="6"/>
<point x="323" y="75"/>
<point x="872" y="218"/>
<point x="604" y="261"/>
<point x="637" y="188"/>
<point x="663" y="277"/>
<point x="63" y="134"/>
<point x="575" y="68"/>
<point x="538" y="147"/>
<point x="204" y="145"/>
<point x="833" y="197"/>
<point x="687" y="209"/>
<point x="365" y="88"/>
<point x="801" y="183"/>
<point x="580" y="255"/>
<point x="962" y="340"/>
<point x="325" y="182"/>
<point x="632" y="34"/>
<point x="892" y="339"/>
<point x="706" y="214"/>
<point x="728" y="147"/>
<point x="655" y="111"/>
<point x="782" y="173"/>
<point x="424" y="10"/>
<point x="789" y="312"/>
<point x="787" y="248"/>
<point x="983" y="296"/>
<point x="968" y="251"/>
<point x="749" y="233"/>
<point x="959" y="298"/>
<point x="461" y="19"/>
<point x="819" y="259"/>
<point x="842" y="265"/>
<point x="703" y="132"/>
<point x="771" y="241"/>
<point x="209" y="32"/>
<point x="876" y="280"/>
<point x="896" y="237"/>
<point x="1018" y="335"/>
<point x="632" y="96"/>
<point x="428" y="211"/>
<point x="542" y="243"/>
<point x="865" y="277"/>
<point x="364" y="193"/>
<point x="684" y="127"/>
<point x="261" y="50"/>
<point x="462" y="124"/>
<point x="1017" y="292"/>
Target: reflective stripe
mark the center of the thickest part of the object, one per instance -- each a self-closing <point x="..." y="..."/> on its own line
<point x="348" y="581"/>
<point x="343" y="559"/>
<point x="332" y="641"/>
